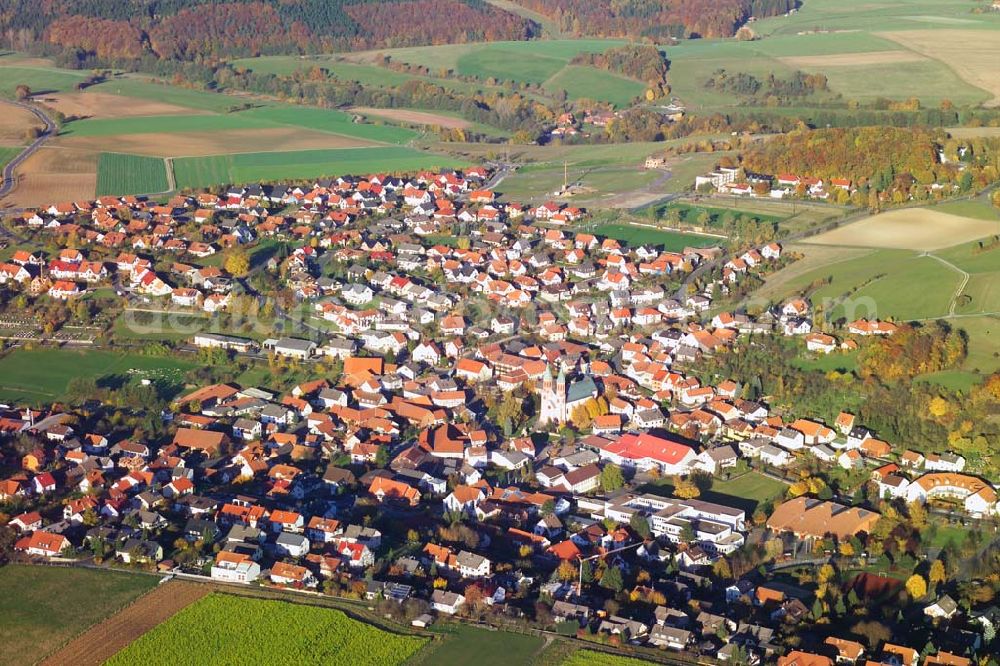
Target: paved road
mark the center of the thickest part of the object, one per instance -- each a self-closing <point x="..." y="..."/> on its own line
<point x="9" y="180"/>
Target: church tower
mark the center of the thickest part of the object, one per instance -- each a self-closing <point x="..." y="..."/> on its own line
<point x="553" y="398"/>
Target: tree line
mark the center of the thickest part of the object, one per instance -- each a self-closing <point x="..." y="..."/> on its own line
<point x="643" y="62"/>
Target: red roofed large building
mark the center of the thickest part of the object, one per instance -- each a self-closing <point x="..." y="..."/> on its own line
<point x="647" y="451"/>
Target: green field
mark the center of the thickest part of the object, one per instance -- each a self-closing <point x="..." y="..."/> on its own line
<point x="329" y="120"/>
<point x="324" y="120"/>
<point x="199" y="172"/>
<point x="595" y="84"/>
<point x="7" y="153"/>
<point x="746" y="491"/>
<point x="118" y="174"/>
<point x="544" y="63"/>
<point x="883" y="283"/>
<point x="974" y="208"/>
<point x="39" y="79"/>
<point x="671" y="241"/>
<point x="43" y="607"/>
<point x="144" y="88"/>
<point x="42" y="375"/>
<point x="859" y="29"/>
<point x="223" y="629"/>
<point x="469" y="645"/>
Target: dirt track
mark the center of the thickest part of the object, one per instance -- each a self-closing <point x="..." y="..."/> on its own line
<point x="102" y="641"/>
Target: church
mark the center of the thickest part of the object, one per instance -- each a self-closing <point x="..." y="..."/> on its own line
<point x="558" y="401"/>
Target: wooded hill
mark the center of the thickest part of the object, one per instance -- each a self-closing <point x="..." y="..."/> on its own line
<point x="656" y="19"/>
<point x="118" y="32"/>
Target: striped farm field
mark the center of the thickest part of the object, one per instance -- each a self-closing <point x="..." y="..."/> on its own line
<point x="120" y="173"/>
<point x="196" y="172"/>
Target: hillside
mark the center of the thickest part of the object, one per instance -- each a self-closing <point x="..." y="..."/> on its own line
<point x="656" y="19"/>
<point x="113" y="32"/>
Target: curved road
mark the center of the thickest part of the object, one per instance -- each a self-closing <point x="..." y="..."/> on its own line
<point x="9" y="181"/>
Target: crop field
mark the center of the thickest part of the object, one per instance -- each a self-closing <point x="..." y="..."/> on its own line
<point x="42" y="375"/>
<point x="94" y="646"/>
<point x="118" y="173"/>
<point x="671" y="241"/>
<point x="43" y="607"/>
<point x="911" y="228"/>
<point x="198" y="172"/>
<point x="595" y="658"/>
<point x="323" y="120"/>
<point x="149" y="90"/>
<point x="329" y="120"/>
<point x="223" y="629"/>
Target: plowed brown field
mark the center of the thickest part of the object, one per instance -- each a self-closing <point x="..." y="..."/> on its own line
<point x="99" y="643"/>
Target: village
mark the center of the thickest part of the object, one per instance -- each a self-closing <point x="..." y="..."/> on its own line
<point x="492" y="413"/>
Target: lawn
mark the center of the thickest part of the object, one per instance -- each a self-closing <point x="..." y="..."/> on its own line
<point x="838" y="361"/>
<point x="118" y="174"/>
<point x="42" y="375"/>
<point x="223" y="629"/>
<point x="43" y="607"/>
<point x="199" y="172"/>
<point x="469" y="645"/>
<point x="671" y="241"/>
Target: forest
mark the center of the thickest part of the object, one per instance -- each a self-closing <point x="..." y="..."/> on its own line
<point x="655" y="19"/>
<point x="89" y="33"/>
<point x="883" y="157"/>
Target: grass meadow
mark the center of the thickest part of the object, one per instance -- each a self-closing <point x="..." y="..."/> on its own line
<point x="43" y="375"/>
<point x="671" y="241"/>
<point x="43" y="607"/>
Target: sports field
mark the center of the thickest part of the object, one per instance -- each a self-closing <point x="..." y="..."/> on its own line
<point x="43" y="607"/>
<point x="223" y="629"/>
<point x="42" y="375"/>
<point x="198" y="172"/>
<point x="119" y="174"/>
